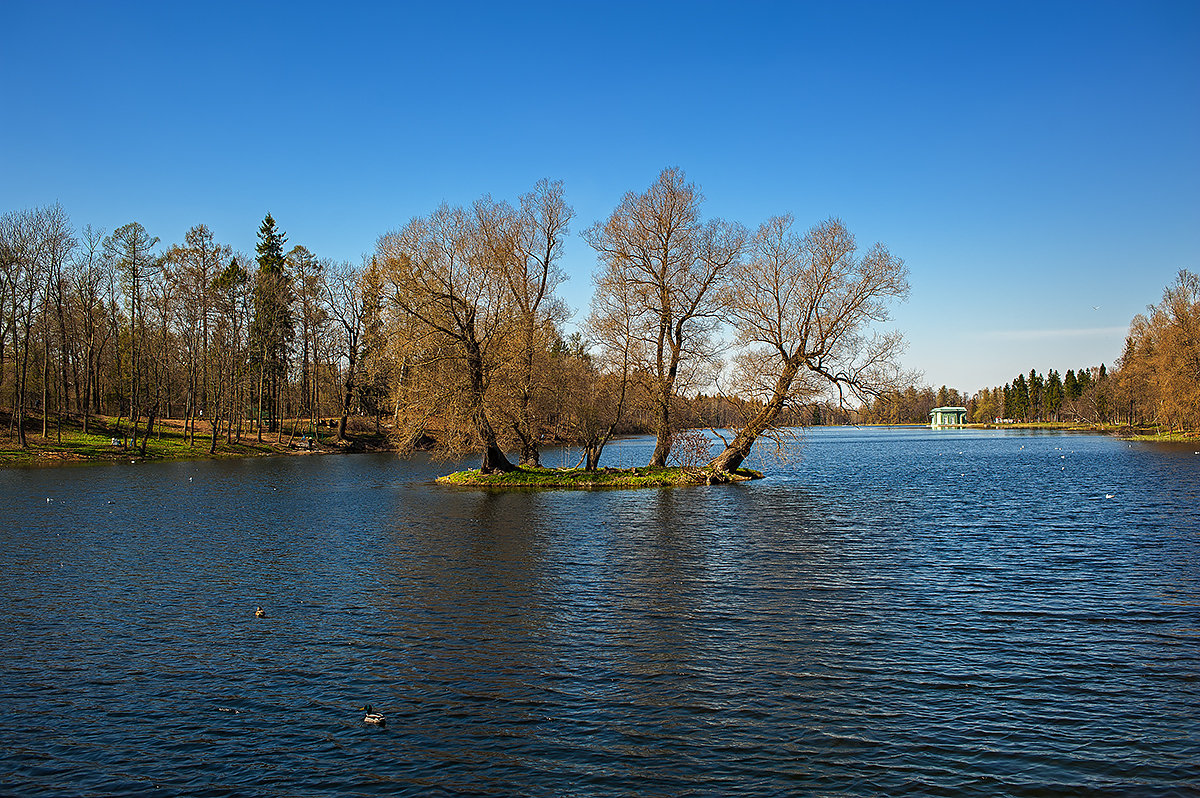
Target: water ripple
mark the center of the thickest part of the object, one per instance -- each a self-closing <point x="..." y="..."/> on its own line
<point x="897" y="612"/>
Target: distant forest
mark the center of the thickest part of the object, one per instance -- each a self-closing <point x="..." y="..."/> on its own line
<point x="1155" y="383"/>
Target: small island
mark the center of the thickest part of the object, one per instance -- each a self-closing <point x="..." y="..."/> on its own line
<point x="579" y="478"/>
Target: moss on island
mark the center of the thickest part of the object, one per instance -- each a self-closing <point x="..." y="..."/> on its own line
<point x="643" y="477"/>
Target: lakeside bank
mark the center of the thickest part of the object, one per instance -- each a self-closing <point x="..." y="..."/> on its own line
<point x="170" y="442"/>
<point x="108" y="442"/>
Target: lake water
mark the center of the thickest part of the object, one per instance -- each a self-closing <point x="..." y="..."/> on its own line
<point x="894" y="612"/>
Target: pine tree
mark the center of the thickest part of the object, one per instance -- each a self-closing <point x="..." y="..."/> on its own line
<point x="1020" y="398"/>
<point x="271" y="326"/>
<point x="1036" y="396"/>
<point x="1054" y="395"/>
<point x="1071" y="385"/>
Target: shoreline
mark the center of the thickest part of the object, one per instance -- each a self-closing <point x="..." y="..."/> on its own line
<point x="169" y="444"/>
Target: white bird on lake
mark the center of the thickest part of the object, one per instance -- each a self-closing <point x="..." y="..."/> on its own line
<point x="373" y="717"/>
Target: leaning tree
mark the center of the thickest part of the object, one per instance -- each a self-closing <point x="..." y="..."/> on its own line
<point x="802" y="308"/>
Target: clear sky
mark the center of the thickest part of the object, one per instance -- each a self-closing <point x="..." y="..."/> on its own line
<point x="1037" y="165"/>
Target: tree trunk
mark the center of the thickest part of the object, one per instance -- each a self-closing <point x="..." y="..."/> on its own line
<point x="662" y="444"/>
<point x="45" y="377"/>
<point x="262" y="375"/>
<point x="738" y="450"/>
<point x="493" y="458"/>
<point x="348" y="399"/>
<point x="149" y="429"/>
<point x="216" y="416"/>
<point x="530" y="451"/>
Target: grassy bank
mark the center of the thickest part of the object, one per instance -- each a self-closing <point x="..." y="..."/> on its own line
<point x="600" y="478"/>
<point x="168" y="442"/>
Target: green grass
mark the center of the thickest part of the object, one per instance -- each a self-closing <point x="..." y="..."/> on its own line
<point x="165" y="444"/>
<point x="601" y="478"/>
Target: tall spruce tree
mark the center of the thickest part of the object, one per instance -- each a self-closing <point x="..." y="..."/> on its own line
<point x="1020" y="398"/>
<point x="1071" y="385"/>
<point x="271" y="330"/>
<point x="1053" y="395"/>
<point x="1037" y="396"/>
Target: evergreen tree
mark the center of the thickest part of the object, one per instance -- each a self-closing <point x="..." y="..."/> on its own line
<point x="271" y="326"/>
<point x="1054" y="395"/>
<point x="1020" y="398"/>
<point x="1071" y="386"/>
<point x="1036" y="396"/>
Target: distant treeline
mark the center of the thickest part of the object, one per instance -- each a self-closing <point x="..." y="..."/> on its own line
<point x="452" y="330"/>
<point x="1156" y="381"/>
<point x="1085" y="396"/>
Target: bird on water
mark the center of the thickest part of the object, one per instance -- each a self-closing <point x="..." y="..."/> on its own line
<point x="373" y="717"/>
<point x="259" y="612"/>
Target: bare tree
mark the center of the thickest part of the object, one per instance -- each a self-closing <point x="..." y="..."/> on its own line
<point x="198" y="262"/>
<point x="58" y="243"/>
<point x="441" y="280"/>
<point x="21" y="245"/>
<point x="131" y="248"/>
<point x="309" y="277"/>
<point x="603" y="382"/>
<point x="802" y="310"/>
<point x="656" y="250"/>
<point x="232" y="301"/>
<point x="526" y="245"/>
<point x="346" y="305"/>
<point x="89" y="275"/>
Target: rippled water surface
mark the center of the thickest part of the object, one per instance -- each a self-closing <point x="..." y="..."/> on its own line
<point x="895" y="612"/>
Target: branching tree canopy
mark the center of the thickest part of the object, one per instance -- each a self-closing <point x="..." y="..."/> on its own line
<point x="445" y="285"/>
<point x="523" y="247"/>
<point x="802" y="309"/>
<point x="657" y="253"/>
<point x="1160" y="368"/>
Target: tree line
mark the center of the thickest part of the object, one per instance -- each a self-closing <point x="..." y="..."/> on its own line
<point x="451" y="331"/>
<point x="1155" y="382"/>
<point x="116" y="326"/>
<point x="1084" y="396"/>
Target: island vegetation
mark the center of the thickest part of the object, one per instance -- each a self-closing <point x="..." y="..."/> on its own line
<point x="451" y="335"/>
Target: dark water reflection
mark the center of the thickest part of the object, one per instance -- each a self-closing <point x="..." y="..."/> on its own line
<point x="900" y="611"/>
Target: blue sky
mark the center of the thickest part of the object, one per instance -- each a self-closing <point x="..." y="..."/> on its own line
<point x="1029" y="161"/>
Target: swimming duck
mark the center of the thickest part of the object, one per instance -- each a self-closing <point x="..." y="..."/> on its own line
<point x="373" y="717"/>
<point x="259" y="612"/>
